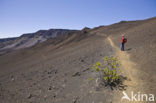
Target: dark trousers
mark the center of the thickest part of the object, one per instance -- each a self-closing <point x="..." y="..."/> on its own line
<point x="122" y="46"/>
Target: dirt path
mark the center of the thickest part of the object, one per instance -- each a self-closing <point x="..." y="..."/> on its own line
<point x="128" y="69"/>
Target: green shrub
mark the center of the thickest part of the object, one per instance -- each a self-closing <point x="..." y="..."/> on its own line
<point x="108" y="70"/>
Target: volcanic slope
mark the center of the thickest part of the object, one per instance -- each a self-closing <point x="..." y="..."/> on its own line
<point x="58" y="69"/>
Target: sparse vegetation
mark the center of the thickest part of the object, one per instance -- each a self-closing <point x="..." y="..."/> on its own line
<point x="108" y="71"/>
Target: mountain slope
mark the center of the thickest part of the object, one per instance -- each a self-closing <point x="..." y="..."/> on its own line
<point x="57" y="70"/>
<point x="31" y="39"/>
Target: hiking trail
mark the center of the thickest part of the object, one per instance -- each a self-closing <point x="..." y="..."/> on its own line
<point x="128" y="69"/>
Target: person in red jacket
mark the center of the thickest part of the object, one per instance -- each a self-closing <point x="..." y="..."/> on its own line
<point x="123" y="41"/>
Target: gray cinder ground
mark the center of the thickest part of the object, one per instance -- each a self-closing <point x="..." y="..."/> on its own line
<point x="57" y="70"/>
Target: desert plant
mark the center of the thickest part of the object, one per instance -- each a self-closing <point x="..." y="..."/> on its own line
<point x="108" y="70"/>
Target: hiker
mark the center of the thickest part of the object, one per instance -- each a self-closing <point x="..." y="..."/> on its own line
<point x="123" y="41"/>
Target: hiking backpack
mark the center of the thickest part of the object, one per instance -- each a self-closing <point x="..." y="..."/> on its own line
<point x="125" y="40"/>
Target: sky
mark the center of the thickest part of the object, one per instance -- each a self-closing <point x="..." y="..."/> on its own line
<point x="26" y="16"/>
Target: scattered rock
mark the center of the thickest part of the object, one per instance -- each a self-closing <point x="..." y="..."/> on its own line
<point x="97" y="89"/>
<point x="82" y="60"/>
<point x="45" y="96"/>
<point x="75" y="100"/>
<point x="49" y="72"/>
<point x="12" y="78"/>
<point x="54" y="96"/>
<point x="29" y="96"/>
<point x="50" y="88"/>
<point x="52" y="71"/>
<point x="53" y="87"/>
<point x="76" y="74"/>
<point x="34" y="83"/>
<point x="90" y="91"/>
<point x="55" y="71"/>
<point x="85" y="69"/>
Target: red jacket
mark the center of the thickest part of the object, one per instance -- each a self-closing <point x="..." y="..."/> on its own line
<point x="122" y="40"/>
